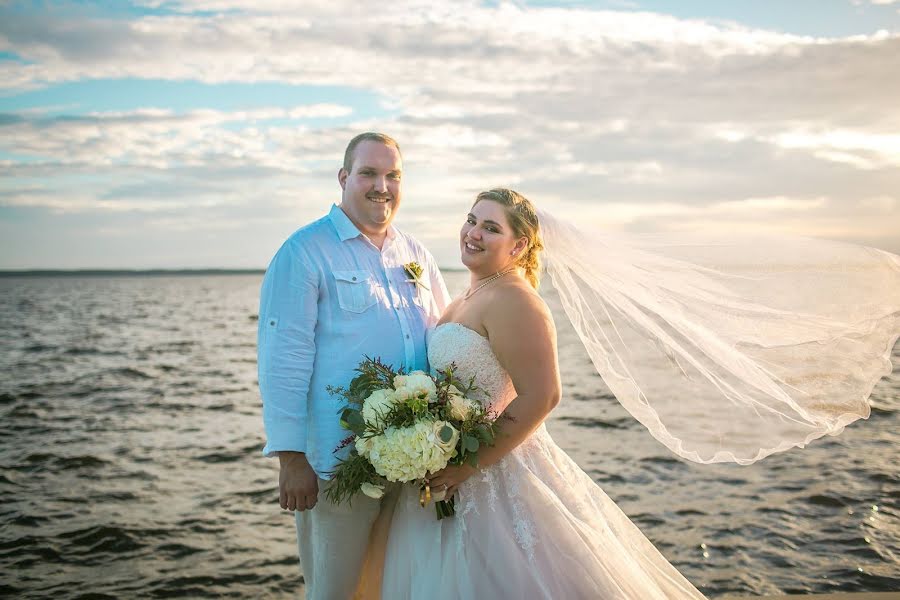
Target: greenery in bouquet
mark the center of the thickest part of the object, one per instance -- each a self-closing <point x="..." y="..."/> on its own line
<point x="404" y="427"/>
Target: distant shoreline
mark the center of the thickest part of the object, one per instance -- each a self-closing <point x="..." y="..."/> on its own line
<point x="139" y="272"/>
<point x="126" y="272"/>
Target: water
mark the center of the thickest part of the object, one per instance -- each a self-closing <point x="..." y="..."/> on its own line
<point x="130" y="460"/>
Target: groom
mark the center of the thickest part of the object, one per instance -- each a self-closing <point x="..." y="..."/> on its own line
<point x="339" y="290"/>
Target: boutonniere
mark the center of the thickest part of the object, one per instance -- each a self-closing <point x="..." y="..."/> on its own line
<point x="414" y="270"/>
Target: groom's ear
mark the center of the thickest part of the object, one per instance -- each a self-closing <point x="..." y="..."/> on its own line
<point x="342" y="177"/>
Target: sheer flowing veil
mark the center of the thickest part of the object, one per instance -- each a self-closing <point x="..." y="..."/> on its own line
<point x="729" y="349"/>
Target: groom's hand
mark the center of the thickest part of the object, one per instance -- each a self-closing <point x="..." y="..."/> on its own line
<point x="298" y="484"/>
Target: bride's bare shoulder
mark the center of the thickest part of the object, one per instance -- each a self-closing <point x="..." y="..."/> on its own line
<point x="522" y="335"/>
<point x="517" y="304"/>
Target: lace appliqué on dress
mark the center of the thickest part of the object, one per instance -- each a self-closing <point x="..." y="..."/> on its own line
<point x="473" y="356"/>
<point x="533" y="525"/>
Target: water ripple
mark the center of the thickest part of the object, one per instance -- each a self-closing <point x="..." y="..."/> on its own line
<point x="130" y="461"/>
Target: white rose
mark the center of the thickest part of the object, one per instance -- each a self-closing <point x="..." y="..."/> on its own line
<point x="377" y="405"/>
<point x="371" y="490"/>
<point x="449" y="446"/>
<point x="460" y="407"/>
<point x="417" y="384"/>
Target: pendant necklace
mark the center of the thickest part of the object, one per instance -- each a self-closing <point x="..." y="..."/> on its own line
<point x="493" y="277"/>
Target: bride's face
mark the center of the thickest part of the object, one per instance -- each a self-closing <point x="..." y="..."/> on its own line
<point x="487" y="241"/>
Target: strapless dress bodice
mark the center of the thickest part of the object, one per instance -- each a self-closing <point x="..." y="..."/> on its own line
<point x="454" y="343"/>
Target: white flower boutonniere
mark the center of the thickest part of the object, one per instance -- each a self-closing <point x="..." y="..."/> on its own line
<point x="414" y="270"/>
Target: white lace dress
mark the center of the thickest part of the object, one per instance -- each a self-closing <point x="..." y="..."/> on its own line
<point x="533" y="525"/>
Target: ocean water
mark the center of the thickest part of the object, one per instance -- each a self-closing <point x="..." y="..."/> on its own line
<point x="130" y="460"/>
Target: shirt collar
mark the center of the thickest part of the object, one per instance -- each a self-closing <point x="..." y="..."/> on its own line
<point x="345" y="228"/>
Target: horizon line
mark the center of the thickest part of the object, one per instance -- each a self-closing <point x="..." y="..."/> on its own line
<point x="137" y="272"/>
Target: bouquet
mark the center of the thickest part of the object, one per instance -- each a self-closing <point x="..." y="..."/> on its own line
<point x="404" y="427"/>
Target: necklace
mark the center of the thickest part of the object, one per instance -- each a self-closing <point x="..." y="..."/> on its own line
<point x="493" y="277"/>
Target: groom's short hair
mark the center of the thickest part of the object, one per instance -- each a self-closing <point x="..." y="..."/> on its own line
<point x="370" y="136"/>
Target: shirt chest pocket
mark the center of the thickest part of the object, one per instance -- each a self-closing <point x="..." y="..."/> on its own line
<point x="355" y="291"/>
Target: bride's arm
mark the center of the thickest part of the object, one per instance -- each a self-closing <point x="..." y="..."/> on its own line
<point x="523" y="338"/>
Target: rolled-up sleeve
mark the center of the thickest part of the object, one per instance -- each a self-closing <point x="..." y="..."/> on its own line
<point x="288" y="310"/>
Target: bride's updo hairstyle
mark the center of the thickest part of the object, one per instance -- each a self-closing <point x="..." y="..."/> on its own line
<point x="523" y="219"/>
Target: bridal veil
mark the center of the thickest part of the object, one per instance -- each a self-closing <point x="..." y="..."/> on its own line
<point x="729" y="349"/>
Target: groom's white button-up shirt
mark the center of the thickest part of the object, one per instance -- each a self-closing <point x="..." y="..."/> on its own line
<point x="329" y="298"/>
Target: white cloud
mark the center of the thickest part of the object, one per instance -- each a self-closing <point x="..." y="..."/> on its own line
<point x="642" y="119"/>
<point x="861" y="149"/>
<point x="885" y="148"/>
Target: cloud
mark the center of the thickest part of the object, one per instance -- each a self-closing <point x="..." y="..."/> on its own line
<point x="860" y="149"/>
<point x="635" y="119"/>
<point x="162" y="139"/>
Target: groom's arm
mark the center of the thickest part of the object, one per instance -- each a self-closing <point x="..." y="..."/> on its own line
<point x="286" y="352"/>
<point x="288" y="312"/>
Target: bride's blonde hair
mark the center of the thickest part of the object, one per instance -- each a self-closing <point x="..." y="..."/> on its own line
<point x="524" y="222"/>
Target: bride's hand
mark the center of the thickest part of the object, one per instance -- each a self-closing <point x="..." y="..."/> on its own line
<point x="450" y="478"/>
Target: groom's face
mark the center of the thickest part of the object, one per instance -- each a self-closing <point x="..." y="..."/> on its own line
<point x="372" y="188"/>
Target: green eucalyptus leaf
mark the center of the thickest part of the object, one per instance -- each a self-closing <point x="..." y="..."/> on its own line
<point x="354" y="420"/>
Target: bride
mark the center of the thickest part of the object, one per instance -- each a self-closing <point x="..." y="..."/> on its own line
<point x="725" y="349"/>
<point x="529" y="522"/>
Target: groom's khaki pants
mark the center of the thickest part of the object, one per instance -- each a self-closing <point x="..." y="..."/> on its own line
<point x="342" y="546"/>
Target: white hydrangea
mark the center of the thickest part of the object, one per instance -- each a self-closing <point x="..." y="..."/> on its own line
<point x="416" y="384"/>
<point x="408" y="453"/>
<point x="363" y="445"/>
<point x="377" y="405"/>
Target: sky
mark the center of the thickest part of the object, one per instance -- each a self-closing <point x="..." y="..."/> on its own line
<point x="201" y="133"/>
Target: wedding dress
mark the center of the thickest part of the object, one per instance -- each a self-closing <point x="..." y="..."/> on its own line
<point x="533" y="525"/>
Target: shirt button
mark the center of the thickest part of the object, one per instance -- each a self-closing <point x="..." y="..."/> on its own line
<point x="354" y="279"/>
<point x="407" y="336"/>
